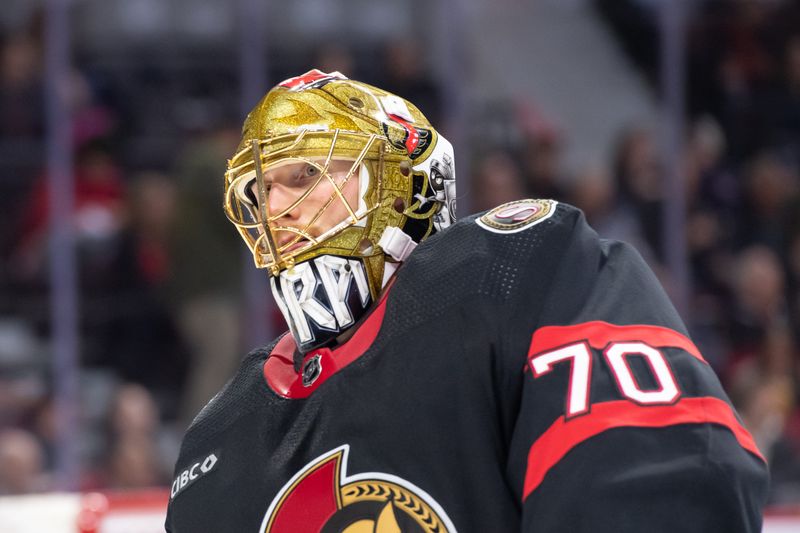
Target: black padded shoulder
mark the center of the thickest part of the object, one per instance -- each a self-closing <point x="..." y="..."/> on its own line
<point x="468" y="262"/>
<point x="243" y="393"/>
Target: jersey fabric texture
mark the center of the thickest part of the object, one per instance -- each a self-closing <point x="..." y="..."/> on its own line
<point x="535" y="379"/>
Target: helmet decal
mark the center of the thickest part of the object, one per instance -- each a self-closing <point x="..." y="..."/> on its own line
<point x="313" y="78"/>
<point x="440" y="168"/>
<point x="321" y="298"/>
<point x="411" y="139"/>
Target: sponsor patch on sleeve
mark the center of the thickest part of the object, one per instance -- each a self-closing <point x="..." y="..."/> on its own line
<point x="198" y="469"/>
<point x="517" y="216"/>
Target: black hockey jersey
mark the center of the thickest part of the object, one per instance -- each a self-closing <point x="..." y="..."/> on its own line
<point x="520" y="374"/>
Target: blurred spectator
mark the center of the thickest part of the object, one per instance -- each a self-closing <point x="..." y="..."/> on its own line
<point x="22" y="364"/>
<point x="335" y="57"/>
<point x="133" y="413"/>
<point x="21" y="463"/>
<point x="134" y="464"/>
<point x="784" y="102"/>
<point x="42" y="421"/>
<point x="637" y="172"/>
<point x="406" y="74"/>
<point x="712" y="213"/>
<point x="90" y="119"/>
<point x="759" y="306"/>
<point x="593" y="190"/>
<point x="21" y="90"/>
<point x="206" y="274"/>
<point x="138" y="453"/>
<point x="98" y="217"/>
<point x="497" y="179"/>
<point x="541" y="166"/>
<point x="713" y="200"/>
<point x="152" y="211"/>
<point x="135" y="333"/>
<point x="770" y="183"/>
<point x="541" y="150"/>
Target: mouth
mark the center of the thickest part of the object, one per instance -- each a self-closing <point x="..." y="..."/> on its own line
<point x="302" y="243"/>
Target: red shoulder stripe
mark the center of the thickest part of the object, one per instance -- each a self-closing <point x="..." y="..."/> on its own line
<point x="598" y="334"/>
<point x="564" y="435"/>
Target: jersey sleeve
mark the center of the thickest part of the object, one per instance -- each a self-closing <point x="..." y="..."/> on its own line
<point x="622" y="425"/>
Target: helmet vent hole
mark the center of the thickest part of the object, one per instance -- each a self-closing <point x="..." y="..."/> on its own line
<point x="356" y="103"/>
<point x="405" y="168"/>
<point x="399" y="205"/>
<point x="365" y="246"/>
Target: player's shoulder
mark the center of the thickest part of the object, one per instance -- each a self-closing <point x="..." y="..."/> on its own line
<point x="240" y="395"/>
<point x="513" y="230"/>
<point x="490" y="253"/>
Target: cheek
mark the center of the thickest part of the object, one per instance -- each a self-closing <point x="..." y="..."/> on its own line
<point x="336" y="211"/>
<point x="350" y="192"/>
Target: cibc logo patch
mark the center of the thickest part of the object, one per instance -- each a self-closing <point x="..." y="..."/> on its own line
<point x="322" y="497"/>
<point x="193" y="473"/>
<point x="517" y="216"/>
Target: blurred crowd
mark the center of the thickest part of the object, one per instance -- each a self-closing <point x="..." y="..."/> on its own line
<point x="160" y="269"/>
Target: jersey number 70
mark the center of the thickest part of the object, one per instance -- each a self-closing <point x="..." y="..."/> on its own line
<point x="616" y="354"/>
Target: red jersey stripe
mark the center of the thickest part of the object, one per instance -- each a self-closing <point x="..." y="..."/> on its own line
<point x="598" y="334"/>
<point x="564" y="435"/>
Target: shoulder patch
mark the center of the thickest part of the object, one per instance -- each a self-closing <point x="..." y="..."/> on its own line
<point x="517" y="216"/>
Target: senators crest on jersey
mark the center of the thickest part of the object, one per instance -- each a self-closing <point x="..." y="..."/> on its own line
<point x="323" y="498"/>
<point x="517" y="216"/>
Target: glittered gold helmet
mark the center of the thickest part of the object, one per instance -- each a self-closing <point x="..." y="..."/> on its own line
<point x="333" y="184"/>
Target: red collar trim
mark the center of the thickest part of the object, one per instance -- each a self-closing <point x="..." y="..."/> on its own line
<point x="279" y="371"/>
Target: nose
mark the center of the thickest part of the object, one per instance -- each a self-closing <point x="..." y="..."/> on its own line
<point x="282" y="214"/>
<point x="280" y="200"/>
<point x="278" y="197"/>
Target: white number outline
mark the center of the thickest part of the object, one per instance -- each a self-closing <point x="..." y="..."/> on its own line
<point x="615" y="354"/>
<point x="580" y="374"/>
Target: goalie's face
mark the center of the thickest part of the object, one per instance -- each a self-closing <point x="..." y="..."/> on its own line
<point x="288" y="206"/>
<point x="306" y="200"/>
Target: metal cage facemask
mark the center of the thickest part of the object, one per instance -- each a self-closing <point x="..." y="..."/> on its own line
<point x="277" y="241"/>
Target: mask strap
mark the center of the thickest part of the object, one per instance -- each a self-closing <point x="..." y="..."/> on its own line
<point x="396" y="243"/>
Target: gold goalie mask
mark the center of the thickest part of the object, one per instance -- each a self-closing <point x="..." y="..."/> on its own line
<point x="332" y="186"/>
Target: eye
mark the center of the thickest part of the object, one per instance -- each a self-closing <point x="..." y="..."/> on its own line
<point x="304" y="175"/>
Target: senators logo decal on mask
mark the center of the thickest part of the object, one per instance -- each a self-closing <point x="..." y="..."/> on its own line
<point x="322" y="497"/>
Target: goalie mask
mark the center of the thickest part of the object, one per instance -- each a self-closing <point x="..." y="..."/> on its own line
<point x="332" y="186"/>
